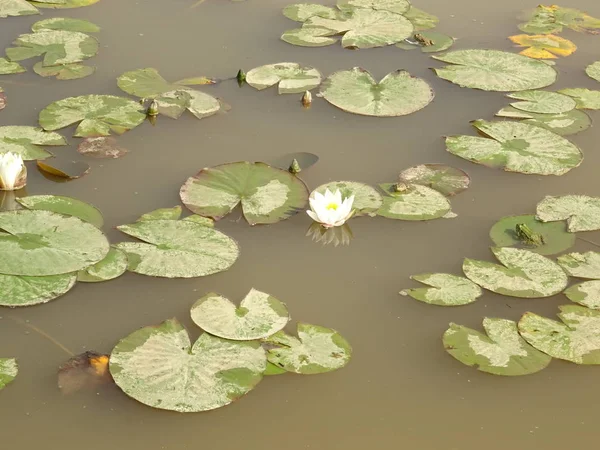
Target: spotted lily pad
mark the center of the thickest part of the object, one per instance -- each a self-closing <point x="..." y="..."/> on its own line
<point x="66" y="24"/>
<point x="366" y="199"/>
<point x="586" y="294"/>
<point x="563" y="124"/>
<point x="301" y="12"/>
<point x="2" y="99"/>
<point x="112" y="266"/>
<point x="581" y="265"/>
<point x="315" y="350"/>
<point x="290" y="77"/>
<point x="26" y="141"/>
<point x="9" y="67"/>
<point x="544" y="46"/>
<point x="593" y="70"/>
<point x="414" y="202"/>
<point x="162" y="214"/>
<point x="501" y="352"/>
<point x="258" y="316"/>
<point x="159" y="367"/>
<point x="27" y="291"/>
<point x="395" y="6"/>
<point x="577" y="339"/>
<point x="177" y="249"/>
<point x="446" y="290"/>
<point x="267" y="194"/>
<point x="445" y="179"/>
<point x="40" y="243"/>
<point x="523" y="273"/>
<point x="65" y="71"/>
<point x="517" y="147"/>
<point x="98" y="114"/>
<point x="420" y="19"/>
<point x="581" y="212"/>
<point x="309" y="37"/>
<point x="585" y="98"/>
<point x="543" y="102"/>
<point x="17" y="8"/>
<point x="397" y="94"/>
<point x="64" y="205"/>
<point x="552" y="19"/>
<point x="494" y="70"/>
<point x="8" y="369"/>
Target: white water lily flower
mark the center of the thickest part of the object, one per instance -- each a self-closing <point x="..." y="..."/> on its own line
<point x="329" y="209"/>
<point x="13" y="174"/>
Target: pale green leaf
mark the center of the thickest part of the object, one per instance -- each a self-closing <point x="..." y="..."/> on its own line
<point x="112" y="266"/>
<point x="395" y="6"/>
<point x="66" y="4"/>
<point x="301" y="12"/>
<point x="416" y="202"/>
<point x="581" y="265"/>
<point x="563" y="124"/>
<point x="64" y="72"/>
<point x="8" y="369"/>
<point x="66" y="24"/>
<point x="309" y="37"/>
<point x="544" y="102"/>
<point x="9" y="67"/>
<point x="17" y="8"/>
<point x="444" y="179"/>
<point x="162" y="214"/>
<point x="290" y="77"/>
<point x="26" y="141"/>
<point x="585" y="98"/>
<point x="593" y="70"/>
<point x="581" y="212"/>
<point x="64" y="205"/>
<point x="420" y="19"/>
<point x="446" y="290"/>
<point x="586" y="294"/>
<point x="27" y="291"/>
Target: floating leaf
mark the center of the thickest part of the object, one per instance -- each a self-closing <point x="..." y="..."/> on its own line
<point x="301" y="12"/>
<point x="517" y="147"/>
<point x="112" y="266"/>
<point x="315" y="350"/>
<point x="395" y="6"/>
<point x="445" y="179"/>
<point x="501" y="352"/>
<point x="8" y="366"/>
<point x="552" y="19"/>
<point x="593" y="70"/>
<point x="162" y="214"/>
<point x="563" y="124"/>
<point x="66" y="24"/>
<point x="445" y="290"/>
<point x="309" y="37"/>
<point x="420" y="19"/>
<point x="40" y="243"/>
<point x="523" y="274"/>
<point x="177" y="249"/>
<point x="9" y="67"/>
<point x="544" y="46"/>
<point x="159" y="367"/>
<point x="428" y="42"/>
<point x="27" y="291"/>
<point x="585" y="98"/>
<point x="85" y="371"/>
<point x="2" y="99"/>
<point x="267" y="194"/>
<point x="581" y="265"/>
<point x="204" y="221"/>
<point x="64" y="205"/>
<point x="66" y="4"/>
<point x="586" y="294"/>
<point x="416" y="202"/>
<point x="196" y="81"/>
<point x="64" y="168"/>
<point x="99" y="115"/>
<point x="64" y="72"/>
<point x="555" y="237"/>
<point x="272" y="369"/>
<point x="366" y="199"/>
<point x="258" y="316"/>
<point x="542" y="102"/>
<point x="16" y="8"/>
<point x="101" y="147"/>
<point x="581" y="212"/>
<point x="397" y="94"/>
<point x="24" y="141"/>
<point x="292" y="77"/>
<point x="494" y="70"/>
<point x="577" y="339"/>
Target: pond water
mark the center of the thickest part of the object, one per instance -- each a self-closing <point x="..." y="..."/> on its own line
<point x="401" y="389"/>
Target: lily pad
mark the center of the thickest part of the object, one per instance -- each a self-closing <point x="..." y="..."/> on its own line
<point x="112" y="266"/>
<point x="99" y="115"/>
<point x="420" y="19"/>
<point x="64" y="168"/>
<point x="40" y="243"/>
<point x="309" y="37"/>
<point x="552" y="19"/>
<point x="28" y="291"/>
<point x="64" y="72"/>
<point x="267" y="194"/>
<point x="397" y="94"/>
<point x="593" y="70"/>
<point x="64" y="205"/>
<point x="177" y="249"/>
<point x="366" y="199"/>
<point x="517" y="147"/>
<point x="64" y="4"/>
<point x="290" y="77"/>
<point x="315" y="350"/>
<point x="501" y="352"/>
<point x="301" y="12"/>
<point x="159" y="367"/>
<point x="581" y="212"/>
<point x="2" y="99"/>
<point x="543" y="102"/>
<point x="162" y="214"/>
<point x="577" y="339"/>
<point x="416" y="202"/>
<point x="24" y="141"/>
<point x="544" y="46"/>
<point x="446" y="290"/>
<point x="444" y="179"/>
<point x="585" y="98"/>
<point x="17" y="8"/>
<point x="258" y="316"/>
<point x="586" y="294"/>
<point x="494" y="70"/>
<point x="395" y="6"/>
<point x="204" y="221"/>
<point x="9" y="67"/>
<point x="66" y="24"/>
<point x="563" y="124"/>
<point x="101" y="147"/>
<point x="8" y="369"/>
<point x="581" y="265"/>
<point x="556" y="238"/>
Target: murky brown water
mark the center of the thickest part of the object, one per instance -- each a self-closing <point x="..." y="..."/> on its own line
<point x="401" y="389"/>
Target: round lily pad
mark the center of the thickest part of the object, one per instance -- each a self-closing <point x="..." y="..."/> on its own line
<point x="586" y="294"/>
<point x="543" y="102"/>
<point x="8" y="368"/>
<point x="397" y="94"/>
<point x="159" y="367"/>
<point x="563" y="124"/>
<point x="27" y="291"/>
<point x="65" y="23"/>
<point x="593" y="70"/>
<point x="444" y="179"/>
<point x="581" y="265"/>
<point x="446" y="290"/>
<point x="65" y="71"/>
<point x="366" y="199"/>
<point x="40" y="243"/>
<point x="64" y="205"/>
<point x="258" y="316"/>
<point x="112" y="266"/>
<point x="581" y="212"/>
<point x="416" y="202"/>
<point x="290" y="77"/>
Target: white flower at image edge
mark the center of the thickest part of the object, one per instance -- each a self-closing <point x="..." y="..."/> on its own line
<point x="329" y="209"/>
<point x="11" y="168"/>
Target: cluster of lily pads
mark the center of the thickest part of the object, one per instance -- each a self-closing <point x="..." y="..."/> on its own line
<point x="521" y="245"/>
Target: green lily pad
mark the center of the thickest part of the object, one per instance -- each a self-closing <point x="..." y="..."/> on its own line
<point x="2" y="99"/>
<point x="301" y="12"/>
<point x="309" y="37"/>
<point x="64" y="72"/>
<point x="98" y="114"/>
<point x="9" y="67"/>
<point x="420" y="19"/>
<point x="25" y="141"/>
<point x="556" y="238"/>
<point x="290" y="77"/>
<point x="63" y="4"/>
<point x="40" y="243"/>
<point x="523" y="273"/>
<point x="366" y="199"/>
<point x="501" y="352"/>
<point x="177" y="249"/>
<point x="444" y="179"/>
<point x="159" y="367"/>
<point x="416" y="202"/>
<point x="397" y="94"/>
<point x="28" y="291"/>
<point x="517" y="147"/>
<point x="585" y="98"/>
<point x="17" y="8"/>
<point x="315" y="350"/>
<point x="495" y="70"/>
<point x="162" y="214"/>
<point x="258" y="316"/>
<point x="64" y="205"/>
<point x="428" y="42"/>
<point x="272" y="369"/>
<point x="267" y="194"/>
<point x="581" y="265"/>
<point x="577" y="339"/>
<point x="8" y="369"/>
<point x="552" y="19"/>
<point x="593" y="70"/>
<point x="112" y="266"/>
<point x="446" y="290"/>
<point x="66" y="24"/>
<point x="581" y="212"/>
<point x="563" y="124"/>
<point x="543" y="102"/>
<point x="204" y="221"/>
<point x="586" y="294"/>
<point x="366" y="28"/>
<point x="395" y="6"/>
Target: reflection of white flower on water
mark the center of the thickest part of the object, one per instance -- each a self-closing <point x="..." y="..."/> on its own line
<point x="330" y="210"/>
<point x="13" y="174"/>
<point x="334" y="235"/>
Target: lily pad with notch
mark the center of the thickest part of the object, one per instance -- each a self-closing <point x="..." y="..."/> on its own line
<point x="585" y="98"/>
<point x="64" y="71"/>
<point x="581" y="212"/>
<point x="64" y="205"/>
<point x="444" y="179"/>
<point x="27" y="141"/>
<point x="17" y="291"/>
<point x="8" y="371"/>
<point x="586" y="294"/>
<point x="445" y="290"/>
<point x="291" y="78"/>
<point x="112" y="266"/>
<point x="101" y="147"/>
<point x="366" y="198"/>
<point x="563" y="124"/>
<point x="413" y="202"/>
<point x="581" y="265"/>
<point x="65" y="24"/>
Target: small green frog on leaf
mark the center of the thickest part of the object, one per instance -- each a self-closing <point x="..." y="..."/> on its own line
<point x="528" y="237"/>
<point x="422" y="40"/>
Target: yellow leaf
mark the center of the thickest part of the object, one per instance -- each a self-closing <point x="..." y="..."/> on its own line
<point x="544" y="46"/>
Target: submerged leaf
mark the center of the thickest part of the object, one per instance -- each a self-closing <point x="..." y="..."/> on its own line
<point x="563" y="124"/>
<point x="290" y="77"/>
<point x="366" y="198"/>
<point x="593" y="70"/>
<point x="552" y="19"/>
<point x="9" y="67"/>
<point x="586" y="294"/>
<point x="416" y="202"/>
<point x="544" y="46"/>
<point x="101" y="147"/>
<point x="581" y="265"/>
<point x="27" y="291"/>
<point x="64" y="205"/>
<point x="446" y="290"/>
<point x="8" y="367"/>
<point x="112" y="266"/>
<point x="24" y="141"/>
<point x="581" y="212"/>
<point x="585" y="98"/>
<point x="444" y="179"/>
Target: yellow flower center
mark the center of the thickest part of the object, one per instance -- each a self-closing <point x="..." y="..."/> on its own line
<point x="333" y="206"/>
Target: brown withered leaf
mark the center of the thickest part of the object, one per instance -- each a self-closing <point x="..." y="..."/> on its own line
<point x="85" y="371"/>
<point x="63" y="168"/>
